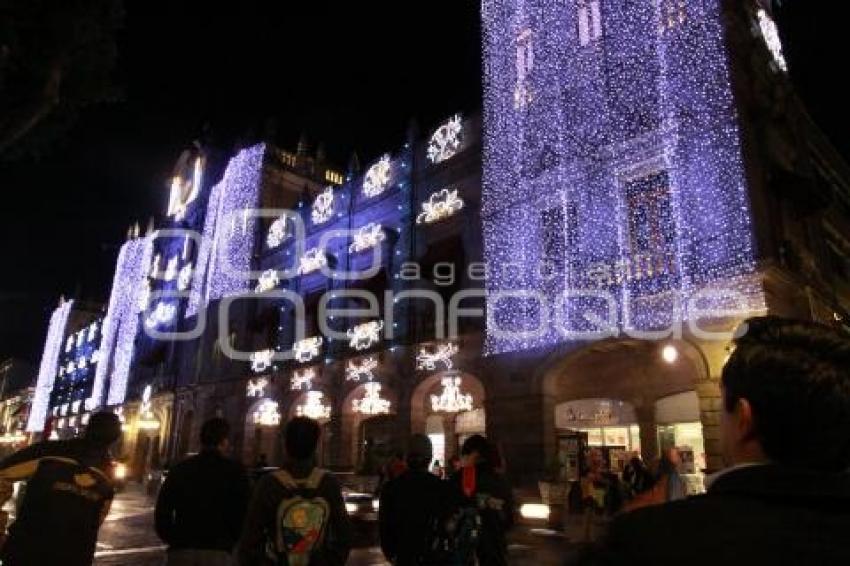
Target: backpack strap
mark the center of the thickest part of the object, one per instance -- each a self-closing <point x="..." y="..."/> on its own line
<point x="311" y="482"/>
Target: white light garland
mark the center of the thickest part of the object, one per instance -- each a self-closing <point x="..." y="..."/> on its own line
<point x="269" y="279"/>
<point x="446" y="140"/>
<point x="93" y="328"/>
<point x="377" y="177"/>
<point x="267" y="414"/>
<point x="771" y="37"/>
<point x="439" y="206"/>
<point x="144" y="300"/>
<point x="367" y="237"/>
<point x="314" y="408"/>
<point x="69" y="344"/>
<point x="302" y="379"/>
<point x="278" y="232"/>
<point x="364" y="369"/>
<point x="48" y="367"/>
<point x="256" y="387"/>
<point x="323" y="207"/>
<point x="184" y="278"/>
<point x="81" y="338"/>
<point x="364" y="336"/>
<point x="307" y="349"/>
<point x="262" y="360"/>
<point x="451" y="400"/>
<point x="156" y="265"/>
<point x="312" y="260"/>
<point x="371" y="403"/>
<point x="441" y="355"/>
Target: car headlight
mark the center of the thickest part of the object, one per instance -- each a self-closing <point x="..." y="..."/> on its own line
<point x="534" y="511"/>
<point x="351" y="508"/>
<point x="120" y="471"/>
<point x="376" y="504"/>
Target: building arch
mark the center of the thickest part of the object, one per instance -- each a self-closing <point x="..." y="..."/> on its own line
<point x="368" y="440"/>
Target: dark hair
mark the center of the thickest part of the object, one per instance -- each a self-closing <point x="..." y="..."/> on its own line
<point x="796" y="377"/>
<point x="419" y="451"/>
<point x="301" y="437"/>
<point x="103" y="429"/>
<point x="476" y="443"/>
<point x="214" y="432"/>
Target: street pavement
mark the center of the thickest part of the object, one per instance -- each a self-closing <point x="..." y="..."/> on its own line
<point x="127" y="538"/>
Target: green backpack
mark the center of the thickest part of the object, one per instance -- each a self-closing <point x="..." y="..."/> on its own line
<point x="302" y="519"/>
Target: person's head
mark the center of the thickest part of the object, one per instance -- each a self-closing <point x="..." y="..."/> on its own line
<point x="786" y="396"/>
<point x="301" y="438"/>
<point x="419" y="452"/>
<point x="595" y="460"/>
<point x="104" y="429"/>
<point x="475" y="450"/>
<point x="215" y="435"/>
<point x="454" y="463"/>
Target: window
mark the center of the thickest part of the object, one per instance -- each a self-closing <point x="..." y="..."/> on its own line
<point x="333" y="177"/>
<point x="589" y="21"/>
<point x="524" y="66"/>
<point x="650" y="224"/>
<point x="671" y="13"/>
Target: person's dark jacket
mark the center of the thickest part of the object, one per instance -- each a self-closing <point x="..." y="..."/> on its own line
<point x="68" y="495"/>
<point x="753" y="515"/>
<point x="409" y="507"/>
<point x="202" y="503"/>
<point x="494" y="500"/>
<point x="262" y="514"/>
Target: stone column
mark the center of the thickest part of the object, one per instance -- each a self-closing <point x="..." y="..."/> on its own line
<point x="648" y="431"/>
<point x="710" y="405"/>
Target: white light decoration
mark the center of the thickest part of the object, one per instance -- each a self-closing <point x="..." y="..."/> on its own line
<point x="278" y="232"/>
<point x="307" y="349"/>
<point x="163" y="313"/>
<point x="364" y="336"/>
<point x="302" y="379"/>
<point x="82" y="363"/>
<point x="364" y="369"/>
<point x="670" y="354"/>
<point x="451" y="400"/>
<point x="257" y="387"/>
<point x="95" y="356"/>
<point x="323" y="207"/>
<point x="81" y="338"/>
<point x="267" y="413"/>
<point x="184" y="278"/>
<point x="61" y="371"/>
<point x="93" y="328"/>
<point x="69" y="344"/>
<point x="171" y="268"/>
<point x="377" y="177"/>
<point x="269" y="279"/>
<point x="771" y="37"/>
<point x="649" y="161"/>
<point x="183" y="193"/>
<point x="441" y="355"/>
<point x="313" y="407"/>
<point x="446" y="140"/>
<point x="75" y="406"/>
<point x="70" y="367"/>
<point x="156" y="266"/>
<point x="439" y="206"/>
<point x="49" y="366"/>
<point x="262" y="360"/>
<point x="367" y="237"/>
<point x="371" y="403"/>
<point x="312" y="260"/>
<point x="144" y="298"/>
<point x="187" y="242"/>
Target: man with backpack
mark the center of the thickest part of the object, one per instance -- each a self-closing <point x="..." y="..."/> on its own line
<point x="486" y="497"/>
<point x="297" y="516"/>
<point x="412" y="509"/>
<point x="68" y="495"/>
<point x="202" y="503"/>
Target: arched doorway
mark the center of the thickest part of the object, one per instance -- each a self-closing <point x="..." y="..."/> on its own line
<point x="371" y="438"/>
<point x="448" y="429"/>
<point x="316" y="398"/>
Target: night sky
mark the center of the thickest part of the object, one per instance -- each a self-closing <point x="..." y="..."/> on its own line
<point x="349" y="74"/>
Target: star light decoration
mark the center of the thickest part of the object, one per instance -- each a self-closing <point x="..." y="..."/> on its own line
<point x="442" y="354"/>
<point x="377" y="177"/>
<point x="278" y="232"/>
<point x="302" y="379"/>
<point x="268" y="280"/>
<point x="364" y="336"/>
<point x="313" y="407"/>
<point x="446" y="140"/>
<point x="451" y="400"/>
<point x="267" y="413"/>
<point x="372" y="403"/>
<point x="439" y="206"/>
<point x="770" y="33"/>
<point x="261" y="361"/>
<point x="367" y="237"/>
<point x="307" y="349"/>
<point x="651" y="149"/>
<point x="323" y="207"/>
<point x="256" y="387"/>
<point x="313" y="260"/>
<point x="363" y="369"/>
<point x="48" y="367"/>
<point x="226" y="251"/>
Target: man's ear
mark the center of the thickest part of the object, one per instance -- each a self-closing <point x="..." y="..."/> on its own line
<point x="746" y="423"/>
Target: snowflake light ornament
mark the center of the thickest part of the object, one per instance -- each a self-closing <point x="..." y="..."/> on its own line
<point x="446" y="140"/>
<point x="451" y="400"/>
<point x="323" y="207"/>
<point x="302" y="379"/>
<point x="442" y="355"/>
<point x="256" y="387"/>
<point x="313" y="260"/>
<point x="355" y="371"/>
<point x="372" y="403"/>
<point x="307" y="349"/>
<point x="278" y="232"/>
<point x="267" y="414"/>
<point x="367" y="237"/>
<point x="439" y="206"/>
<point x="268" y="280"/>
<point x="314" y="408"/>
<point x="262" y="360"/>
<point x="364" y="336"/>
<point x="377" y="177"/>
<point x="163" y="313"/>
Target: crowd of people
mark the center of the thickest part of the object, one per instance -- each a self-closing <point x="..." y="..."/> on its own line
<point x="784" y="497"/>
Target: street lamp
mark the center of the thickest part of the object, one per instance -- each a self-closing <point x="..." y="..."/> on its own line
<point x="670" y="354"/>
